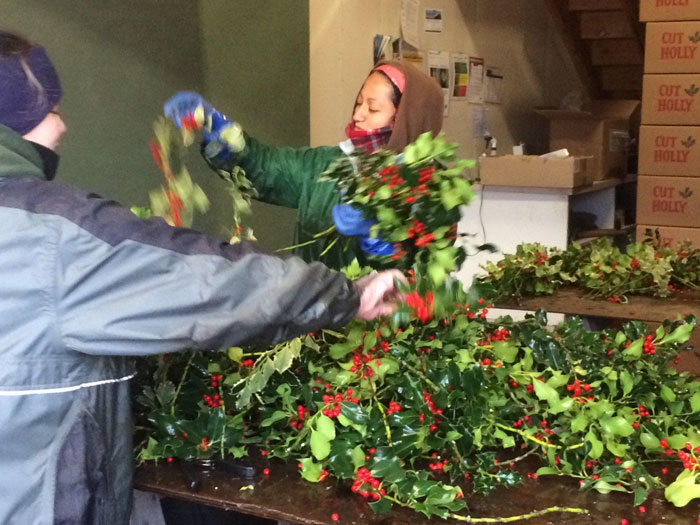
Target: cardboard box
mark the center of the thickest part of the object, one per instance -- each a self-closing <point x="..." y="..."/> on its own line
<point x="534" y="171"/>
<point x="668" y="201"/>
<point x="603" y="133"/>
<point x="660" y="10"/>
<point x="671" y="99"/>
<point x="669" y="150"/>
<point x="672" y="47"/>
<point x="670" y="235"/>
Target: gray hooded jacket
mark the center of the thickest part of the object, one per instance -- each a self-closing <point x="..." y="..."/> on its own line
<point x="84" y="285"/>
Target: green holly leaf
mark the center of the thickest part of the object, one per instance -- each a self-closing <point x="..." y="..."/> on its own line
<point x="505" y="351"/>
<point x="235" y="354"/>
<point x="310" y="471"/>
<point x="685" y="488"/>
<point x="679" y="335"/>
<point x="634" y="350"/>
<point x="386" y="465"/>
<point x="381" y="506"/>
<point x="616" y="426"/>
<point x="667" y="394"/>
<point x="545" y="392"/>
<point x="277" y="415"/>
<point x="626" y="381"/>
<point x="596" y="445"/>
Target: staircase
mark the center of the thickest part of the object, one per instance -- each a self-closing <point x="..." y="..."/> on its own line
<point x="606" y="43"/>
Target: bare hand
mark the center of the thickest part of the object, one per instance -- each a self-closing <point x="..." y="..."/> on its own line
<point x="378" y="294"/>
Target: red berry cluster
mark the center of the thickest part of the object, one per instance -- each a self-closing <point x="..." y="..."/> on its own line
<point x="302" y="414"/>
<point x="634" y="265"/>
<point x="214" y="401"/>
<point x="648" y="346"/>
<point x="391" y="173"/>
<point x="613" y="299"/>
<point x="431" y="406"/>
<point x="393" y="407"/>
<point x="540" y="258"/>
<point x="366" y="485"/>
<point x="689" y="458"/>
<point x="247" y="363"/>
<point x="577" y="388"/>
<point x="332" y="402"/>
<point x="438" y="465"/>
<point x="501" y="334"/>
<point x="204" y="444"/>
<point x="422" y="306"/>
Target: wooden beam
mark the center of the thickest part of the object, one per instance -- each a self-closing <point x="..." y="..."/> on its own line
<point x="621" y="78"/>
<point x="566" y="25"/>
<point x="616" y="52"/>
<point x="596" y="5"/>
<point x="606" y="24"/>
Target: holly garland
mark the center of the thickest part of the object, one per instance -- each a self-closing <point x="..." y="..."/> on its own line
<point x="414" y="199"/>
<point x="601" y="269"/>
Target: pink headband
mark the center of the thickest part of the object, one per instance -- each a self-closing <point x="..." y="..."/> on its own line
<point x="395" y="75"/>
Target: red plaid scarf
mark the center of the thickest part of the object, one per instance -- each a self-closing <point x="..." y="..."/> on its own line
<point x="369" y="141"/>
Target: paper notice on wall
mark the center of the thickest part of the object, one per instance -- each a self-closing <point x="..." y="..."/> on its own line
<point x="432" y="21"/>
<point x="413" y="56"/>
<point x="460" y="75"/>
<point x="475" y="86"/>
<point x="410" y="10"/>
<point x="439" y="69"/>
<point x="479" y="125"/>
<point x="493" y="85"/>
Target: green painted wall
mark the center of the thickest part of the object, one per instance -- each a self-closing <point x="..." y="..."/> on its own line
<point x="256" y="57"/>
<point x="119" y="61"/>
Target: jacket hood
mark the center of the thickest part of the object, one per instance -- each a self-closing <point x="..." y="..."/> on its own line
<point x="420" y="110"/>
<point x="18" y="158"/>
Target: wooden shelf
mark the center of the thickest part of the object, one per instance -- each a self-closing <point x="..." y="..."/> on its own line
<point x="574" y="301"/>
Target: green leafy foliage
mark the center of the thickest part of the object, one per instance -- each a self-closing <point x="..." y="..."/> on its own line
<point x="600" y="269"/>
<point x="414" y="199"/>
<point x="421" y="405"/>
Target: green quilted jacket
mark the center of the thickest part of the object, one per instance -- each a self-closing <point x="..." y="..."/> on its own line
<point x="289" y="177"/>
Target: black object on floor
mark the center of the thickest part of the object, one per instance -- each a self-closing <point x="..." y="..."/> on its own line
<point x="178" y="512"/>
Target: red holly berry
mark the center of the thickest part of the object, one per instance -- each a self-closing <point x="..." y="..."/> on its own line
<point x="266" y="471"/>
<point x="335" y="516"/>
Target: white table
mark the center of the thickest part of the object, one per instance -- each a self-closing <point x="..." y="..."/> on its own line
<point x="508" y="216"/>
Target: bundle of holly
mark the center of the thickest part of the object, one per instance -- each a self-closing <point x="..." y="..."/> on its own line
<point x="600" y="268"/>
<point x="421" y="415"/>
<point x="414" y="199"/>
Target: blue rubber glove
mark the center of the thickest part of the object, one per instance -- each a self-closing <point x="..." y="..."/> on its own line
<point x="184" y="104"/>
<point x="349" y="222"/>
<point x="222" y="138"/>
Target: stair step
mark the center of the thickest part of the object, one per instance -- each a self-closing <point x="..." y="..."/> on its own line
<point x="606" y="24"/>
<point x="621" y="78"/>
<point x="615" y="52"/>
<point x="596" y="5"/>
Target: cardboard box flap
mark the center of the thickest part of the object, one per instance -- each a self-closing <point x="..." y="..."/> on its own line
<point x="600" y="109"/>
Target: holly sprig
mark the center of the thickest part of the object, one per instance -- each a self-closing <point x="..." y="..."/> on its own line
<point x="601" y="269"/>
<point x="414" y="198"/>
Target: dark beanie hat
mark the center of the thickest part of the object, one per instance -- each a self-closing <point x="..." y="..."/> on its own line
<point x="29" y="89"/>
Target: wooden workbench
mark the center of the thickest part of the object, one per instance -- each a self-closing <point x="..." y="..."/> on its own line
<point x="652" y="310"/>
<point x="284" y="495"/>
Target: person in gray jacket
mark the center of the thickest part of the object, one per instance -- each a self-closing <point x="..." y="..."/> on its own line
<point x="85" y="285"/>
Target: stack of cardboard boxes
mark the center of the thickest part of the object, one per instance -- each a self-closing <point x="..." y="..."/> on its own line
<point x="668" y="192"/>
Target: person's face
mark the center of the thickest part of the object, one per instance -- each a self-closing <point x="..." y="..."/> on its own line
<point x="49" y="131"/>
<point x="373" y="107"/>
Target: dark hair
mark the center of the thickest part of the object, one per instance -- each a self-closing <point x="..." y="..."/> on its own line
<point x="396" y="94"/>
<point x="13" y="44"/>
